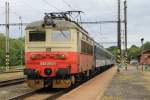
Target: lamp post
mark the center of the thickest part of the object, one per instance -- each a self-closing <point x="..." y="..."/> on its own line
<point x="142" y="42"/>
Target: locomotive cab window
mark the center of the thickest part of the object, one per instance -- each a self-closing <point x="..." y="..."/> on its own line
<point x="61" y="36"/>
<point x="37" y="36"/>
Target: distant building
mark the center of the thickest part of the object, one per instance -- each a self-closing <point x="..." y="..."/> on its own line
<point x="144" y="57"/>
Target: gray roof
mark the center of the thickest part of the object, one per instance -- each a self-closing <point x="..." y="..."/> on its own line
<point x="59" y="24"/>
<point x="35" y="24"/>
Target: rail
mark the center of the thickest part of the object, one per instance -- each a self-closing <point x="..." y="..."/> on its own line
<point x="12" y="82"/>
<point x="51" y="95"/>
<point x="25" y="95"/>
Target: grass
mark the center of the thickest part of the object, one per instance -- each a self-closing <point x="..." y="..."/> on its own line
<point x="112" y="98"/>
<point x="125" y="77"/>
<point x="146" y="76"/>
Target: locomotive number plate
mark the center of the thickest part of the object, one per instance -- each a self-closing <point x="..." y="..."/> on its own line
<point x="47" y="63"/>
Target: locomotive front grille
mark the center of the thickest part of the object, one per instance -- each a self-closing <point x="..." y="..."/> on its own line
<point x="31" y="73"/>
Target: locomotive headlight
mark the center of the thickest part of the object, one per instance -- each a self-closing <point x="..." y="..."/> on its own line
<point x="60" y="56"/>
<point x="37" y="56"/>
<point x="47" y="71"/>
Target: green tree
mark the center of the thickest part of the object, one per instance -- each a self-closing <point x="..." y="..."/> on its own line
<point x="2" y="50"/>
<point x="146" y="46"/>
<point x="15" y="50"/>
<point x="113" y="50"/>
<point x="2" y="41"/>
<point x="133" y="52"/>
<point x="2" y="57"/>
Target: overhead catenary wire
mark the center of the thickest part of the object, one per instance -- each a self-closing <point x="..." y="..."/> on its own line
<point x="82" y="22"/>
<point x="33" y="8"/>
<point x="25" y="5"/>
<point x="73" y="5"/>
<point x="108" y="5"/>
<point x="69" y="5"/>
<point x="46" y="2"/>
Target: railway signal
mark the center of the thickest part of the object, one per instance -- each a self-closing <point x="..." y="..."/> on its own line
<point x="142" y="44"/>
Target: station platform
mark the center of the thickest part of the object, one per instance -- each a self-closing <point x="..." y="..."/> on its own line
<point x="132" y="84"/>
<point x="93" y="89"/>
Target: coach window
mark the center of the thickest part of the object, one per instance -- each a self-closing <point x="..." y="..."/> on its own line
<point x="37" y="36"/>
<point x="61" y="36"/>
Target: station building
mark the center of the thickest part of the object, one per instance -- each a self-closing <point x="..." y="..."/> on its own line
<point x="144" y="57"/>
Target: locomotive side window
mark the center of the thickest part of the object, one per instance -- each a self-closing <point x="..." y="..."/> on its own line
<point x="86" y="48"/>
<point x="37" y="36"/>
<point x="61" y="36"/>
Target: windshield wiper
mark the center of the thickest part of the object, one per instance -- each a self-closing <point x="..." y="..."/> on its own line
<point x="63" y="34"/>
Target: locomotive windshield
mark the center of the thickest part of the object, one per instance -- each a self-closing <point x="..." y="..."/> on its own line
<point x="37" y="36"/>
<point x="61" y="36"/>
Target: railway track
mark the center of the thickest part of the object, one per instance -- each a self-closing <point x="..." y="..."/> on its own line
<point x="41" y="94"/>
<point x="12" y="82"/>
<point x="25" y="95"/>
<point x="44" y="94"/>
<point x="5" y="72"/>
<point x="47" y="94"/>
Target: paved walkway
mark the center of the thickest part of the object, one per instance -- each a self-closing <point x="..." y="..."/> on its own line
<point x="93" y="89"/>
<point x="129" y="85"/>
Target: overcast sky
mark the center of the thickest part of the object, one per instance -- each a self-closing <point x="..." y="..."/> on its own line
<point x="94" y="10"/>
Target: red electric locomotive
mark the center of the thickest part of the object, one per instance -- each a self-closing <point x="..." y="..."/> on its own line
<point x="59" y="53"/>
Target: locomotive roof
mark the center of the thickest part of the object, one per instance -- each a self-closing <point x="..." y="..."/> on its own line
<point x="59" y="24"/>
<point x="35" y="24"/>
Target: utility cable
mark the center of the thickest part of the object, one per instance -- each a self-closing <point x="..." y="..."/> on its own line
<point x="46" y="2"/>
<point x="69" y="5"/>
<point x="35" y="9"/>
